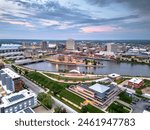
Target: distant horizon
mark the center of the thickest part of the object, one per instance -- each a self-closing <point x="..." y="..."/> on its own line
<point x="82" y="39"/>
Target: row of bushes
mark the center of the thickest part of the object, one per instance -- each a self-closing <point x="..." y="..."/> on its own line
<point x="118" y="108"/>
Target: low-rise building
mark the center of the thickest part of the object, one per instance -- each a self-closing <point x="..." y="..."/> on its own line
<point x="18" y="101"/>
<point x="10" y="81"/>
<point x="135" y="83"/>
<point x="114" y="76"/>
<point x="99" y="94"/>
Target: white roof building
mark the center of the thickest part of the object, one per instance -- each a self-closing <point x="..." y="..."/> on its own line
<point x="99" y="88"/>
<point x="113" y="75"/>
<point x="74" y="71"/>
<point x="11" y="73"/>
<point x="135" y="80"/>
<point x="105" y="53"/>
<point x="17" y="97"/>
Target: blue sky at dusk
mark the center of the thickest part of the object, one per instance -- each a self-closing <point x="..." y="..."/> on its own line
<point x="78" y="19"/>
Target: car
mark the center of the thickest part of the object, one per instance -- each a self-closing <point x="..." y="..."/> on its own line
<point x="133" y="102"/>
<point x="136" y="100"/>
<point x="148" y="108"/>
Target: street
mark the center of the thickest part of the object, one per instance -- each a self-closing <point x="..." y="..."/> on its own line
<point x="32" y="86"/>
<point x="36" y="89"/>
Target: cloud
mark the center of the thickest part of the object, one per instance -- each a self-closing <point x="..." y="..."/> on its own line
<point x="46" y="22"/>
<point x="52" y="13"/>
<point x="88" y="16"/>
<point x="142" y="6"/>
<point x="97" y="29"/>
<point x="24" y="23"/>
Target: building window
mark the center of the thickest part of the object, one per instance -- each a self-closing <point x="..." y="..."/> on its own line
<point x="10" y="108"/>
<point x="20" y="106"/>
<point x="6" y="111"/>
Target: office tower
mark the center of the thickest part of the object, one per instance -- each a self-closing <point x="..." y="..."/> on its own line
<point x="70" y="44"/>
<point x="44" y="45"/>
<point x="111" y="47"/>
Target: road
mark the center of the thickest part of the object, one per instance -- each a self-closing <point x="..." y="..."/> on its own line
<point x="32" y="86"/>
<point x="37" y="89"/>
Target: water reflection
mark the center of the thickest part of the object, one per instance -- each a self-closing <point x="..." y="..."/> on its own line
<point x="109" y="67"/>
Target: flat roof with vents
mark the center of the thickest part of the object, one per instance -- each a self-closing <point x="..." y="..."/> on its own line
<point x="11" y="73"/>
<point x="15" y="98"/>
<point x="135" y="80"/>
<point x="99" y="88"/>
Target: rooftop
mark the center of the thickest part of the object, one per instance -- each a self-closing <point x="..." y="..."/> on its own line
<point x="135" y="80"/>
<point x="99" y="88"/>
<point x="74" y="71"/>
<point x="11" y="73"/>
<point x="17" y="97"/>
<point x="113" y="75"/>
<point x="9" y="46"/>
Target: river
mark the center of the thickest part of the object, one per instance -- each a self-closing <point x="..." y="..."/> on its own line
<point x="109" y="67"/>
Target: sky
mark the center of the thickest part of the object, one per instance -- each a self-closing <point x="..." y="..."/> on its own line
<point x="77" y="19"/>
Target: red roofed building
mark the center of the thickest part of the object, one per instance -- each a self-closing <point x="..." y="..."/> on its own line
<point x="135" y="83"/>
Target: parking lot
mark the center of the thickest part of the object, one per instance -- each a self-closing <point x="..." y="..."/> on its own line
<point x="139" y="106"/>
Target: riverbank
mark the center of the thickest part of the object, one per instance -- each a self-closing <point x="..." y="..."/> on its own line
<point x="72" y="64"/>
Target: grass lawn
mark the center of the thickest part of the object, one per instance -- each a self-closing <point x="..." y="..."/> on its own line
<point x="68" y="104"/>
<point x="46" y="82"/>
<point x="125" y="97"/>
<point x="60" y="88"/>
<point x="68" y="78"/>
<point x="71" y="97"/>
<point x="116" y="107"/>
<point x="93" y="109"/>
<point x="119" y="81"/>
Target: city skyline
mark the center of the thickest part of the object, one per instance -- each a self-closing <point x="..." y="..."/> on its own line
<point x="91" y="20"/>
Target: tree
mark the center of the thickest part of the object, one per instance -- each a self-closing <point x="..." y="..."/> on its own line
<point x="84" y="109"/>
<point x="45" y="99"/>
<point x="138" y="91"/>
<point x="48" y="102"/>
<point x="26" y="72"/>
<point x="86" y="61"/>
<point x="94" y="62"/>
<point x="41" y="96"/>
<point x="60" y="110"/>
<point x="57" y="110"/>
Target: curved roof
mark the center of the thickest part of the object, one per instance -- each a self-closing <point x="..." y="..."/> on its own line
<point x="74" y="71"/>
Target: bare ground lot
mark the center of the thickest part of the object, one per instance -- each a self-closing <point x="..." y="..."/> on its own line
<point x="41" y="109"/>
<point x="146" y="90"/>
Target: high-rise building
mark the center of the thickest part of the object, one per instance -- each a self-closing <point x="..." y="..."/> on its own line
<point x="70" y="44"/>
<point x="111" y="47"/>
<point x="44" y="45"/>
